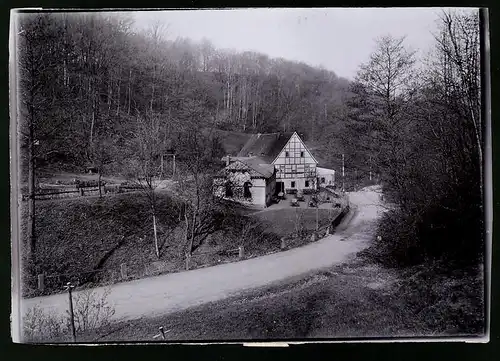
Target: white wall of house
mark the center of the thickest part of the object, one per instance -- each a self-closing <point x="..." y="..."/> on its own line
<point x="295" y="164"/>
<point x="325" y="176"/>
<point x="261" y="190"/>
<point x="299" y="183"/>
<point x="258" y="191"/>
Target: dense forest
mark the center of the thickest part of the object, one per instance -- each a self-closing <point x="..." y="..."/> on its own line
<point x="95" y="75"/>
<point x="88" y="82"/>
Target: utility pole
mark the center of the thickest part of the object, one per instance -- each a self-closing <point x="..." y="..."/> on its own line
<point x="317" y="216"/>
<point x="70" y="287"/>
<point x="173" y="167"/>
<point x="161" y="167"/>
<point x="343" y="173"/>
<point x="173" y="162"/>
<point x="370" y="168"/>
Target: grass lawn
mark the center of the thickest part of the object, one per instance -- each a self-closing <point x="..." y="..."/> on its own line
<point x="357" y="299"/>
<point x="283" y="221"/>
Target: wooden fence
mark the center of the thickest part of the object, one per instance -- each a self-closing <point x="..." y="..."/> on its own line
<point x="72" y="192"/>
<point x="125" y="272"/>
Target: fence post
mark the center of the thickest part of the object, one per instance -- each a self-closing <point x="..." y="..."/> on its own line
<point x="81" y="192"/>
<point x="283" y="243"/>
<point x="313" y="237"/>
<point x="327" y="230"/>
<point x="241" y="252"/>
<point x="188" y="259"/>
<point x="123" y="270"/>
<point x="69" y="287"/>
<point x="41" y="282"/>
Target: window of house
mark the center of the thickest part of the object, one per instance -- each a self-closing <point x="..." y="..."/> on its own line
<point x="292" y="184"/>
<point x="302" y="154"/>
<point x="322" y="179"/>
<point x="287" y="154"/>
<point x="307" y="183"/>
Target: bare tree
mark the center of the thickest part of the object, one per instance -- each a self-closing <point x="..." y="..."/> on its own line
<point x="145" y="166"/>
<point x="36" y="63"/>
<point x="390" y="81"/>
<point x="458" y="51"/>
<point x="389" y="74"/>
<point x="156" y="33"/>
<point x="103" y="157"/>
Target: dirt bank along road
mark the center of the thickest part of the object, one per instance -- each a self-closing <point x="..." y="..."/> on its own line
<point x="171" y="292"/>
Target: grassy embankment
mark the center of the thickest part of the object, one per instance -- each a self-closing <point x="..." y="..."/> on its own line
<point x="87" y="239"/>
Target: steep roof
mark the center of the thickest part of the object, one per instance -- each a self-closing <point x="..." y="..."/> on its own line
<point x="265" y="146"/>
<point x="259" y="165"/>
<point x="254" y="165"/>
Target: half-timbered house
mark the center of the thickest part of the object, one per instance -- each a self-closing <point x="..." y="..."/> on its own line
<point x="293" y="164"/>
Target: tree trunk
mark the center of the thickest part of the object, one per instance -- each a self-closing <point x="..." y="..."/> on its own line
<point x="153" y="87"/>
<point x="157" y="249"/>
<point x="129" y="91"/>
<point x="92" y="124"/>
<point x="118" y="96"/>
<point x="193" y="227"/>
<point x="186" y="237"/>
<point x="110" y="92"/>
<point x="31" y="195"/>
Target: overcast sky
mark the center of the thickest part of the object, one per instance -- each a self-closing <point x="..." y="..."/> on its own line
<point x="338" y="39"/>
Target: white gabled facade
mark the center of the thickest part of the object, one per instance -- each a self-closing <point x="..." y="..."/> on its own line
<point x="326" y="177"/>
<point x="295" y="166"/>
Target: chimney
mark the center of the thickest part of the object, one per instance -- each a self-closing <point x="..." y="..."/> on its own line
<point x="228" y="160"/>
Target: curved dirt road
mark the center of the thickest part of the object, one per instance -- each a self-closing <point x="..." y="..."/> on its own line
<point x="164" y="294"/>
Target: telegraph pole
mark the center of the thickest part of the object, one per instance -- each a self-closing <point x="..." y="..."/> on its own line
<point x="173" y="167"/>
<point x="343" y="173"/>
<point x="70" y="287"/>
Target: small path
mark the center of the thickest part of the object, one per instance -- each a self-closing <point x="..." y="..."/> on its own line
<point x="172" y="292"/>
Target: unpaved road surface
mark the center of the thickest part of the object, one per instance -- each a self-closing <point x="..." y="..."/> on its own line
<point x="172" y="292"/>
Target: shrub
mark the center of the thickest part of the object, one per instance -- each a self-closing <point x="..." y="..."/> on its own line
<point x="39" y="325"/>
<point x="398" y="244"/>
<point x="91" y="311"/>
<point x="449" y="228"/>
